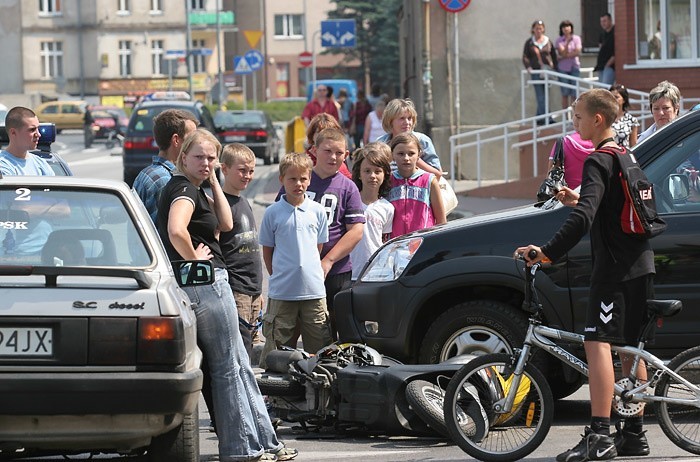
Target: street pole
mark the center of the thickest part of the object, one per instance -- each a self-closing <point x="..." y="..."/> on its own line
<point x="313" y="60"/>
<point x="218" y="53"/>
<point x="306" y="43"/>
<point x="188" y="47"/>
<point x="427" y="74"/>
<point x="263" y="46"/>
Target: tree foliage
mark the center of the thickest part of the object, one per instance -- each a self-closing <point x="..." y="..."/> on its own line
<point x="377" y="39"/>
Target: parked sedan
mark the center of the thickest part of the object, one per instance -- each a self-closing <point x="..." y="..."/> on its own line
<point x="252" y="128"/>
<point x="98" y="348"/>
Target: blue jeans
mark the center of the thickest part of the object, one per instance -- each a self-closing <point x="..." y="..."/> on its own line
<point x="574" y="72"/>
<point x="242" y="423"/>
<point x="539" y="94"/>
<point x="607" y="75"/>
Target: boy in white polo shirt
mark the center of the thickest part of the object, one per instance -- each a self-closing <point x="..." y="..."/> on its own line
<point x="292" y="234"/>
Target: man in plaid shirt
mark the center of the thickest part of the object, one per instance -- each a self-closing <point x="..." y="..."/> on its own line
<point x="170" y="128"/>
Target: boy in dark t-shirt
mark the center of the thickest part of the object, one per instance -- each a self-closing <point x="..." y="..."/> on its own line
<point x="621" y="279"/>
<point x="240" y="245"/>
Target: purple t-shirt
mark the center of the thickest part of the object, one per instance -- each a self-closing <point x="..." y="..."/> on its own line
<point x="341" y="199"/>
<point x="567" y="64"/>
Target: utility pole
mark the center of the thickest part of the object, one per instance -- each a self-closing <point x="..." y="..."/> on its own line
<point x="220" y="75"/>
<point x="427" y="73"/>
<point x="188" y="47"/>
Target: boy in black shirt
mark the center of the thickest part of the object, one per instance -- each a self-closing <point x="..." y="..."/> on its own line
<point x="621" y="279"/>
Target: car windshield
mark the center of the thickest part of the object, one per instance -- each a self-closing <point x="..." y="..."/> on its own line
<point x="238" y="119"/>
<point x="142" y="120"/>
<point x="61" y="227"/>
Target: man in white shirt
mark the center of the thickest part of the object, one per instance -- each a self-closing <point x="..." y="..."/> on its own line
<point x="22" y="127"/>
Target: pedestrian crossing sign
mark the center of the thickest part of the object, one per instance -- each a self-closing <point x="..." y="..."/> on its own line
<point x="241" y="65"/>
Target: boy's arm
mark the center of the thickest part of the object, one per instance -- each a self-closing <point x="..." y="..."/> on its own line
<point x="267" y="258"/>
<point x="436" y="202"/>
<point x="342" y="248"/>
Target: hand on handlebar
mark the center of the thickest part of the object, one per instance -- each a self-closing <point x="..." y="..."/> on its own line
<point x="531" y="254"/>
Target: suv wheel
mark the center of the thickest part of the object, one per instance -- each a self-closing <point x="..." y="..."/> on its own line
<point x="268" y="158"/>
<point x="181" y="444"/>
<point x="474" y="327"/>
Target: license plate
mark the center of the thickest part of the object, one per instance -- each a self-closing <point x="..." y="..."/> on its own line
<point x="26" y="341"/>
<point x="235" y="138"/>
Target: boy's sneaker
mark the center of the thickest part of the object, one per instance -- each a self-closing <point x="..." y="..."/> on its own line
<point x="593" y="446"/>
<point x="628" y="443"/>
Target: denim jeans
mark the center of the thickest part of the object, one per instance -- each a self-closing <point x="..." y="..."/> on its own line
<point x="607" y="75"/>
<point x="242" y="423"/>
<point x="539" y="94"/>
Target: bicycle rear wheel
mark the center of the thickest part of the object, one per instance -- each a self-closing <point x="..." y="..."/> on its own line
<point x="481" y="432"/>
<point x="681" y="422"/>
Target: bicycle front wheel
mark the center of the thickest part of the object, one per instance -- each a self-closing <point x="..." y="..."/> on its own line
<point x="681" y="422"/>
<point x="478" y="429"/>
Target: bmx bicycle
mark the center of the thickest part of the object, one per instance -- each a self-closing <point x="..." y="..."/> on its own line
<point x="499" y="407"/>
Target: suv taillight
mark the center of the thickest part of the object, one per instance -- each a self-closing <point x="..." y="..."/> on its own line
<point x="139" y="142"/>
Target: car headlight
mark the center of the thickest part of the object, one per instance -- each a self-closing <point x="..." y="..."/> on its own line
<point x="391" y="260"/>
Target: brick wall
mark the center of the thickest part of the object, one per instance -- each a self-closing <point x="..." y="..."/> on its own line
<point x="686" y="78"/>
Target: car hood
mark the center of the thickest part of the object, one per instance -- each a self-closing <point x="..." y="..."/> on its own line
<point x="496" y="233"/>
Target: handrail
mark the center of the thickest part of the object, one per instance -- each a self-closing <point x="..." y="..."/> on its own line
<point x="508" y="135"/>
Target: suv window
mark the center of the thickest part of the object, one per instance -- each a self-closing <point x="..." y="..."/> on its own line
<point x="58" y="227"/>
<point x="682" y="158"/>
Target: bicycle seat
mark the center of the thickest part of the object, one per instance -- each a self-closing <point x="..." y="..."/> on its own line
<point x="664" y="308"/>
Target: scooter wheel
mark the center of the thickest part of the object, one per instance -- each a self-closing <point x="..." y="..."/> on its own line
<point x="279" y="385"/>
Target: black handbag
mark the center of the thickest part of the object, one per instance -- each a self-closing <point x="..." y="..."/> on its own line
<point x="555" y="177"/>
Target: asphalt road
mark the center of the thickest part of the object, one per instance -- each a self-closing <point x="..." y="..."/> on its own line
<point x="571" y="414"/>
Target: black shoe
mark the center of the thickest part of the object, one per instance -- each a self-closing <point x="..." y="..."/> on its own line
<point x="628" y="443"/>
<point x="593" y="446"/>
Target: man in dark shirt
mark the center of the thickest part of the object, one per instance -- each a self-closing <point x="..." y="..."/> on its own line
<point x="621" y="279"/>
<point x="606" y="55"/>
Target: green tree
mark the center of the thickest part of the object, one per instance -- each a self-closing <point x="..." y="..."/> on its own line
<point x="377" y="44"/>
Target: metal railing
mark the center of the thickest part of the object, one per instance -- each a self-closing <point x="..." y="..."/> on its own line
<point x="524" y="132"/>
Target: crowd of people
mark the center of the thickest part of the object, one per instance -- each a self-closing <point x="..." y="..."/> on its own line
<point x="329" y="218"/>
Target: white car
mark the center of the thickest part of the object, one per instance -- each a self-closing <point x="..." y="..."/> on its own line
<point x="98" y="345"/>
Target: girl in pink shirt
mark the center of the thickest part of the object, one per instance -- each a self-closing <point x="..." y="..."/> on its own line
<point x="414" y="193"/>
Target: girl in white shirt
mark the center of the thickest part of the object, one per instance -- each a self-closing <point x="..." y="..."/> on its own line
<point x="371" y="173"/>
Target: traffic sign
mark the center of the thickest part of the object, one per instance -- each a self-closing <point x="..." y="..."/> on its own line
<point x="255" y="59"/>
<point x="173" y="54"/>
<point x="252" y="37"/>
<point x="454" y="6"/>
<point x="338" y="33"/>
<point x="241" y="66"/>
<point x="201" y="51"/>
<point x="306" y="59"/>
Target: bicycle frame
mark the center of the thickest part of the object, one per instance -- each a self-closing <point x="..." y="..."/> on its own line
<point x="540" y="336"/>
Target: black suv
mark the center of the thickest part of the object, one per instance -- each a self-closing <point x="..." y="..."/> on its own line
<point x="455" y="288"/>
<point x="139" y="144"/>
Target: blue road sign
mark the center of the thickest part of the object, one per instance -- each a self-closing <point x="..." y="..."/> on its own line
<point x="338" y="33"/>
<point x="201" y="51"/>
<point x="175" y="53"/>
<point x="454" y="6"/>
<point x="255" y="59"/>
<point x="241" y="66"/>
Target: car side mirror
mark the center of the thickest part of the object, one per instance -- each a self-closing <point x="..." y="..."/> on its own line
<point x="193" y="272"/>
<point x="678" y="187"/>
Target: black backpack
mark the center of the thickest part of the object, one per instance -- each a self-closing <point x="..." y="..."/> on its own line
<point x="639" y="217"/>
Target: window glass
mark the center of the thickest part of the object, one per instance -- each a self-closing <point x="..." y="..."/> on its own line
<point x="679" y="33"/>
<point x="59" y="227"/>
<point x="649" y="29"/>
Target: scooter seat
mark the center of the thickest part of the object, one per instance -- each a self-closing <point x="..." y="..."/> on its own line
<point x="279" y="360"/>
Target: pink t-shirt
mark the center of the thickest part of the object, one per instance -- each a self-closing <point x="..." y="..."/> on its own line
<point x="575" y="152"/>
<point x="566" y="64"/>
<point x="411" y="200"/>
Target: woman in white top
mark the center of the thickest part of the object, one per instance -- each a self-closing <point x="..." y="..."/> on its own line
<point x="665" y="102"/>
<point x="373" y="123"/>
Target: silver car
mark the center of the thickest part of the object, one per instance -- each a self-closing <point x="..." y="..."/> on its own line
<point x="98" y="345"/>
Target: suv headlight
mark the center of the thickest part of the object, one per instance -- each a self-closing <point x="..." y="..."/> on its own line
<point x="391" y="260"/>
